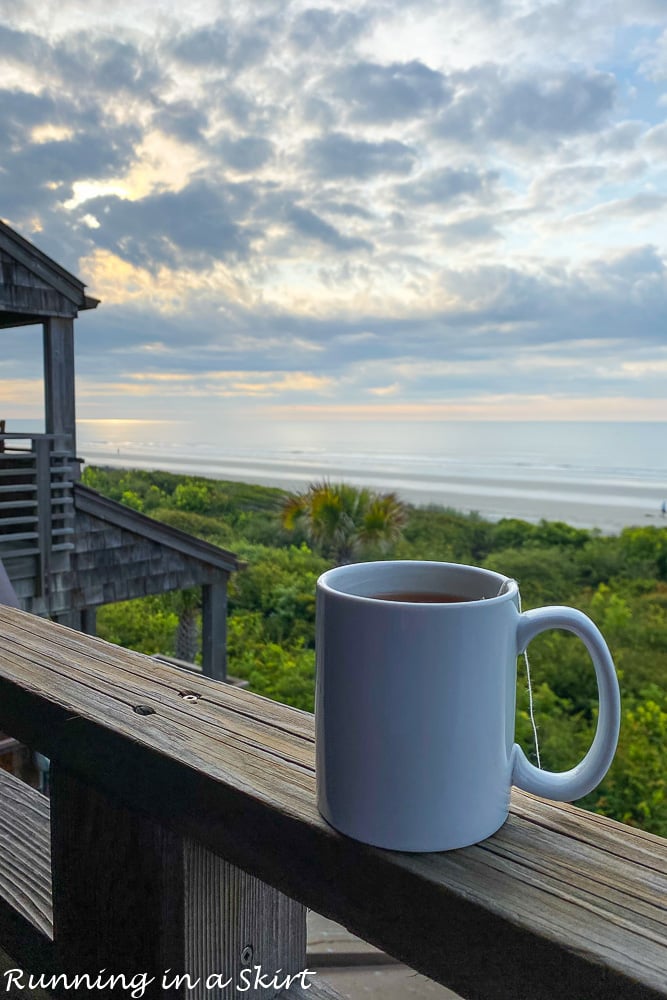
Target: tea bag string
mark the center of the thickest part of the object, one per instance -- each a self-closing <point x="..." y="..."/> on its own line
<point x="531" y="707"/>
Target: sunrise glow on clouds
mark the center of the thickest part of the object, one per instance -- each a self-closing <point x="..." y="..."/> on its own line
<point x="362" y="209"/>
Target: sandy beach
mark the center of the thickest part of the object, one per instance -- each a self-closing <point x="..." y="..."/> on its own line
<point x="608" y="504"/>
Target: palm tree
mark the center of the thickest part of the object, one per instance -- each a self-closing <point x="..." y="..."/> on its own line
<point x="342" y="521"/>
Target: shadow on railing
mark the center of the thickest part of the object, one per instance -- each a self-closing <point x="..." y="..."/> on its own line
<point x="36" y="500"/>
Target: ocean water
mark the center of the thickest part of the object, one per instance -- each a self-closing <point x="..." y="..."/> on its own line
<point x="587" y="473"/>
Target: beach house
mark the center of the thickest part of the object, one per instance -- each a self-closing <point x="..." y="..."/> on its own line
<point x="66" y="549"/>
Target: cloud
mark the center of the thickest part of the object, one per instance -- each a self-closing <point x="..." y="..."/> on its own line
<point x="22" y="46"/>
<point x="379" y="196"/>
<point x="246" y="153"/>
<point x="40" y="175"/>
<point x="195" y="225"/>
<point x="656" y="139"/>
<point x="377" y="93"/>
<point x="205" y="46"/>
<point x="109" y="65"/>
<point x="182" y="119"/>
<point x="347" y="208"/>
<point x="318" y="26"/>
<point x="495" y="105"/>
<point x="449" y="184"/>
<point x="645" y="205"/>
<point x="20" y="112"/>
<point x="309" y="224"/>
<point x="474" y="229"/>
<point x="341" y="156"/>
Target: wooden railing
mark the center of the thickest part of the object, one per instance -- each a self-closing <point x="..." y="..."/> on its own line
<point x="184" y="836"/>
<point x="36" y="503"/>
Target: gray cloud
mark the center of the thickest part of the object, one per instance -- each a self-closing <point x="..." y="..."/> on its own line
<point x="309" y="224"/>
<point x="476" y="229"/>
<point x="559" y="104"/>
<point x="376" y="93"/>
<point x="339" y="155"/>
<point x="246" y="153"/>
<point x="22" y="46"/>
<point x="492" y="105"/>
<point x="620" y="138"/>
<point x="89" y="65"/>
<point x="206" y="46"/>
<point x="326" y="27"/>
<point x="449" y="184"/>
<point x="107" y="64"/>
<point x="347" y="208"/>
<point x="183" y="120"/>
<point x="201" y="223"/>
<point x="656" y="139"/>
<point x="20" y="112"/>
<point x="38" y="176"/>
<point x="67" y="160"/>
<point x="250" y="50"/>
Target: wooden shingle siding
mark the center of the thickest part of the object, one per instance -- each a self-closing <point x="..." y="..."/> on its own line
<point x="110" y="562"/>
<point x="23" y="291"/>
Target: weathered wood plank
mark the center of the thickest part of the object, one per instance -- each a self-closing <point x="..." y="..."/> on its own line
<point x="557" y="904"/>
<point x="234" y="922"/>
<point x="26" y="926"/>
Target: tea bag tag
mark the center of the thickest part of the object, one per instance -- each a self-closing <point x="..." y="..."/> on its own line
<point x="504" y="588"/>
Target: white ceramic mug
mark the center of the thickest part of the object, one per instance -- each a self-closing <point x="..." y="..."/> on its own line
<point x="415" y="704"/>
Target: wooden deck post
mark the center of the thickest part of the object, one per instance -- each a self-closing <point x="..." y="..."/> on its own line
<point x="132" y="897"/>
<point x="59" y="382"/>
<point x="214" y="630"/>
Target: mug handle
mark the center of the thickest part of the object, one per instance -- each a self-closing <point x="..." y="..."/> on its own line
<point x="566" y="786"/>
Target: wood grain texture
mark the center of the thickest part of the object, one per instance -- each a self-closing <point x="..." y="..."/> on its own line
<point x="235" y="922"/>
<point x="558" y="904"/>
<point x="26" y="926"/>
<point x="25" y="852"/>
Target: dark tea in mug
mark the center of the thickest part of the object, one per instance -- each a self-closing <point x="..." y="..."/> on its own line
<point x="420" y="597"/>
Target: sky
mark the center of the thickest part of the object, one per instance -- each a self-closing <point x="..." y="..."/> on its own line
<point x="370" y="210"/>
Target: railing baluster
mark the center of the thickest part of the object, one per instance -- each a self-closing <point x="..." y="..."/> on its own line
<point x="37" y="480"/>
<point x="42" y="448"/>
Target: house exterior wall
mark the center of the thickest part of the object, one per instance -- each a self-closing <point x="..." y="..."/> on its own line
<point x="110" y="564"/>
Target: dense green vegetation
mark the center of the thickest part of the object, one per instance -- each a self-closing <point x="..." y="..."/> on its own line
<point x="619" y="580"/>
